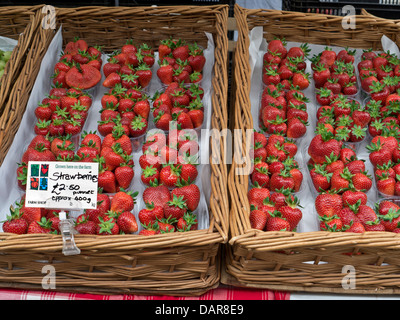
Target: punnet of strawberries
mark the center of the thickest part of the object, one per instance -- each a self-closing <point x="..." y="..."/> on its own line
<point x="79" y="66"/>
<point x="180" y="61"/>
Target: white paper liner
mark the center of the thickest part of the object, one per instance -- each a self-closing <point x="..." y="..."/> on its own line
<point x="9" y="193"/>
<point x="257" y="48"/>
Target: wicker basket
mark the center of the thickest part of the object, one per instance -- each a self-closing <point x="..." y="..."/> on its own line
<point x="309" y="261"/>
<point x="18" y="23"/>
<point x="184" y="263"/>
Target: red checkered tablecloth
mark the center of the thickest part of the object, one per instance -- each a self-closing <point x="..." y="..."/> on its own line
<point x="220" y="293"/>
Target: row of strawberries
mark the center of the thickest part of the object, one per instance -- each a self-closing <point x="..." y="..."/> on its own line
<point x="283" y="118"/>
<point x="283" y="105"/>
<point x="163" y="166"/>
<point x="169" y="161"/>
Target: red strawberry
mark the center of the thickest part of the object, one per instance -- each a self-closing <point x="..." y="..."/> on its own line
<point x="322" y="146"/>
<point x="107" y="181"/>
<point x="277" y="223"/>
<point x="86" y="226"/>
<point x="15" y="223"/>
<point x="156" y="194"/>
<point x="170" y="175"/>
<point x="291" y="212"/>
<point x="144" y="74"/>
<point x="123" y="201"/>
<point x="166" y="225"/>
<point x="187" y="222"/>
<point x="150" y="214"/>
<point x="328" y="204"/>
<point x="41" y="226"/>
<point x="165" y="72"/>
<point x="126" y="222"/>
<point x="258" y="219"/>
<point x="331" y="224"/>
<point x="351" y="197"/>
<point x="83" y="76"/>
<point x="190" y="193"/>
<point x="107" y="226"/>
<point x="150" y="175"/>
<point x="124" y="175"/>
<point x="175" y="208"/>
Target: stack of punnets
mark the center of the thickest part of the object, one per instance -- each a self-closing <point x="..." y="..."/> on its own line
<point x="306" y="259"/>
<point x="174" y="263"/>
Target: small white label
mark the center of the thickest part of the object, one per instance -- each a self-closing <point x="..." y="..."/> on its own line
<point x="62" y="185"/>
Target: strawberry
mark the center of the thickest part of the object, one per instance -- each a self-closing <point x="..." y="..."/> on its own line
<point x="291" y="212"/>
<point x="166" y="225"/>
<point x="82" y="76"/>
<point x="278" y="46"/>
<point x="86" y="226"/>
<point x="321" y="74"/>
<point x="277" y="223"/>
<point x="138" y="126"/>
<point x="107" y="226"/>
<point x="390" y="220"/>
<point x="170" y="175"/>
<point x="165" y="72"/>
<point x="196" y="58"/>
<point x="157" y="194"/>
<point x="43" y="112"/>
<point x="150" y="175"/>
<point x="124" y="175"/>
<point x="123" y="201"/>
<point x="175" y="208"/>
<point x="300" y="79"/>
<point x="351" y="197"/>
<point x="257" y="194"/>
<point x="126" y="222"/>
<point x="41" y="226"/>
<point x="150" y="214"/>
<point x="187" y="222"/>
<point x="258" y="219"/>
<point x="296" y="128"/>
<point x="111" y="80"/>
<point x="190" y="193"/>
<point x="144" y="74"/>
<point x="38" y="153"/>
<point x="281" y="180"/>
<point x="22" y="172"/>
<point x="328" y="203"/>
<point x="367" y="215"/>
<point x="15" y="223"/>
<point x="331" y="224"/>
<point x="180" y="50"/>
<point x="378" y="154"/>
<point x="385" y="184"/>
<point x="322" y="145"/>
<point x="107" y="181"/>
<point x="362" y="181"/>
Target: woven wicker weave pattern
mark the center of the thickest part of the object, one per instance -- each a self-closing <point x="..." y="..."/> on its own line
<point x="175" y="264"/>
<point x="310" y="261"/>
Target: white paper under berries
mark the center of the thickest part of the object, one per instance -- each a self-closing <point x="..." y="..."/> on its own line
<point x="10" y="192"/>
<point x="257" y="48"/>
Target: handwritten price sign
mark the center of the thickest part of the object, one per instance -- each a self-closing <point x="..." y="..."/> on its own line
<point x="62" y="185"/>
